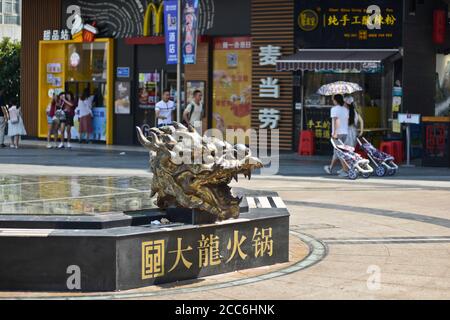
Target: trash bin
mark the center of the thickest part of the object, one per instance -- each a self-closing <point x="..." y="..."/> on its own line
<point x="436" y="147"/>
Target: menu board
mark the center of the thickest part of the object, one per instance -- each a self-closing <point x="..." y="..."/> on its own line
<point x="148" y="90"/>
<point x="318" y="120"/>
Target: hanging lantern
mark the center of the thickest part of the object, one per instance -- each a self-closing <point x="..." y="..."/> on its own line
<point x="439" y="26"/>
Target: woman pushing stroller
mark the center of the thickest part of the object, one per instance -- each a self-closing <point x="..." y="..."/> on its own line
<point x="339" y="119"/>
<point x="345" y="123"/>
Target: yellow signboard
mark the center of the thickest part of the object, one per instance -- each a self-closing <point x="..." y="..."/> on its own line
<point x="154" y="16"/>
<point x="232" y="92"/>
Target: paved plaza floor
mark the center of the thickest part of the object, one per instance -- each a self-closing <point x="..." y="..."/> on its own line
<point x="382" y="238"/>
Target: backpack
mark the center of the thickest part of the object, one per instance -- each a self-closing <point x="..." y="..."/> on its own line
<point x="193" y="109"/>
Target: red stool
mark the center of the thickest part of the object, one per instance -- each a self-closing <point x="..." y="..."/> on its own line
<point x="387" y="147"/>
<point x="307" y="144"/>
<point x="399" y="153"/>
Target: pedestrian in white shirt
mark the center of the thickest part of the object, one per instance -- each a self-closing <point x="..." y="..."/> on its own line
<point x="194" y="112"/>
<point x="16" y="128"/>
<point x="339" y="116"/>
<point x="164" y="110"/>
<point x="86" y="115"/>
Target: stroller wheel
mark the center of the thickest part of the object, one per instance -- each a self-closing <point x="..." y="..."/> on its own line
<point x="353" y="174"/>
<point x="381" y="171"/>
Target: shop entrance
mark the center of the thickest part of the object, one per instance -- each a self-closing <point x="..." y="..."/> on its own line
<point x="97" y="89"/>
<point x="72" y="66"/>
<point x="151" y="77"/>
<point x="317" y="109"/>
<point x="151" y="85"/>
<point x="374" y="70"/>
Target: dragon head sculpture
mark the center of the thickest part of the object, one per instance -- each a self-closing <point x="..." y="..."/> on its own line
<point x="194" y="171"/>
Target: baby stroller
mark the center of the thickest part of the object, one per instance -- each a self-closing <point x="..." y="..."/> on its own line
<point x="383" y="162"/>
<point x="356" y="164"/>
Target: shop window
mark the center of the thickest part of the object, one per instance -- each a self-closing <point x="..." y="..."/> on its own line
<point x="11" y="19"/>
<point x="11" y="6"/>
<point x="10" y="12"/>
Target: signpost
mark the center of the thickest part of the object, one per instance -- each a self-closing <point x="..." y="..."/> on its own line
<point x="190" y="30"/>
<point x="408" y="119"/>
<point x="179" y="61"/>
<point x="171" y="31"/>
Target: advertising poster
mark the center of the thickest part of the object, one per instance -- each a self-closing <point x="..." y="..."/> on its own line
<point x="190" y="31"/>
<point x="232" y="89"/>
<point x="54" y="68"/>
<point x="171" y="31"/>
<point x="148" y="90"/>
<point x="99" y="124"/>
<point x="442" y="99"/>
<point x="122" y="104"/>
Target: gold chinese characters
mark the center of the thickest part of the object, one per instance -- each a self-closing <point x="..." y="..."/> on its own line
<point x="212" y="251"/>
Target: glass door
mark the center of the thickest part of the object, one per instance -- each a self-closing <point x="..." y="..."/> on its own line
<point x="150" y="89"/>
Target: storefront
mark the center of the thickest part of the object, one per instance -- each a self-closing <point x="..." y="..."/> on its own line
<point x="126" y="69"/>
<point x="140" y="70"/>
<point x="238" y="45"/>
<point x="73" y="66"/>
<point x="372" y="70"/>
<point x="343" y="43"/>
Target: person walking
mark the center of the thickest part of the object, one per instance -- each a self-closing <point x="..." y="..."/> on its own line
<point x="3" y="120"/>
<point x="69" y="110"/>
<point x="16" y="129"/>
<point x="85" y="113"/>
<point x="66" y="120"/>
<point x="354" y="121"/>
<point x="194" y="112"/>
<point x="339" y="119"/>
<point x="52" y="122"/>
<point x="164" y="110"/>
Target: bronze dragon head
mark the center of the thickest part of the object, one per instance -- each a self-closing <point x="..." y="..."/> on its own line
<point x="193" y="171"/>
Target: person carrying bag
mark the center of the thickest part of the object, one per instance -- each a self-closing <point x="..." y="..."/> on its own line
<point x="194" y="112"/>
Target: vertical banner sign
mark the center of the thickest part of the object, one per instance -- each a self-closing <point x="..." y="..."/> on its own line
<point x="232" y="89"/>
<point x="190" y="31"/>
<point x="171" y="28"/>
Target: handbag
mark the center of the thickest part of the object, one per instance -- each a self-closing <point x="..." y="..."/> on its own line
<point x="60" y="115"/>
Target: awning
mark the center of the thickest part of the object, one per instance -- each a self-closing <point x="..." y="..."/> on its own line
<point x="344" y="60"/>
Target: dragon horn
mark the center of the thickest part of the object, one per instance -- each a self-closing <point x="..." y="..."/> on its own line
<point x="144" y="141"/>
